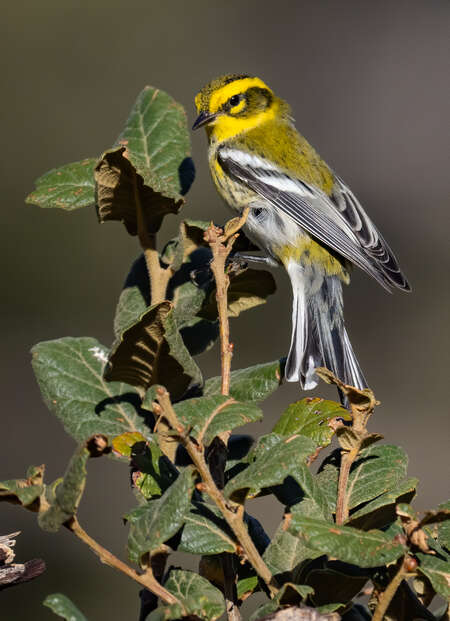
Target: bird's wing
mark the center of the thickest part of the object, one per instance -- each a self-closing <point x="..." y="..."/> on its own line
<point x="367" y="233"/>
<point x="316" y="212"/>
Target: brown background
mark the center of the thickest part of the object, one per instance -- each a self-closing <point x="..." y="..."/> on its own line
<point x="368" y="83"/>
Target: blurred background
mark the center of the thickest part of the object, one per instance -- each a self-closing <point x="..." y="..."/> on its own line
<point x="368" y="84"/>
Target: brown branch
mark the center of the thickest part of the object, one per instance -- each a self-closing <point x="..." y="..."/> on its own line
<point x="211" y="417"/>
<point x="386" y="597"/>
<point x="352" y="439"/>
<point x="221" y="243"/>
<point x="147" y="579"/>
<point x="342" y="508"/>
<point x="158" y="276"/>
<point x="234" y="519"/>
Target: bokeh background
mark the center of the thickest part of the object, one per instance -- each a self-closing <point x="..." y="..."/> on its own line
<point x="368" y="83"/>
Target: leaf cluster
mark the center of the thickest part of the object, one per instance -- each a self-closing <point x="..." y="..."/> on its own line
<point x="346" y="524"/>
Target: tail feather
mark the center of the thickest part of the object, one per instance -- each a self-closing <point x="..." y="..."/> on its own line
<point x="353" y="370"/>
<point x="319" y="337"/>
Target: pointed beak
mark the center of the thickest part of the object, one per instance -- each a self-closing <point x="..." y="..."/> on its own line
<point x="203" y="119"/>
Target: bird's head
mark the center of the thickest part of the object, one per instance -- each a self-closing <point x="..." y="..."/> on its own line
<point x="233" y="104"/>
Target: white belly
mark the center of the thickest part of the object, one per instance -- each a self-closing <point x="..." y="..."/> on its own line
<point x="269" y="229"/>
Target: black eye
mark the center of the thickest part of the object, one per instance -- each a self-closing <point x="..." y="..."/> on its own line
<point x="235" y="100"/>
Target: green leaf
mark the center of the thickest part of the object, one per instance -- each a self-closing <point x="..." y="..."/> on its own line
<point x="207" y="417"/>
<point x="275" y="459"/>
<point x="286" y="551"/>
<point x="263" y="611"/>
<point x="289" y="595"/>
<point x="25" y="492"/>
<point x="190" y="260"/>
<point x="199" y="335"/>
<point x="254" y="383"/>
<point x="68" y="187"/>
<point x="444" y="528"/>
<point x="189" y="257"/>
<point x="134" y="298"/>
<point x="256" y="532"/>
<point x="152" y="471"/>
<point x="151" y="352"/>
<point x="311" y="417"/>
<point x="334" y="589"/>
<point x="406" y="605"/>
<point x="327" y="481"/>
<point x="130" y="307"/>
<point x="299" y="482"/>
<point x="157" y="140"/>
<point x="187" y="296"/>
<point x="188" y="299"/>
<point x="247" y="290"/>
<point x="198" y="596"/>
<point x="123" y="445"/>
<point x="206" y="532"/>
<point x="350" y="438"/>
<point x="62" y="606"/>
<point x="363" y="548"/>
<point x="67" y="493"/>
<point x="120" y="193"/>
<point x="69" y="374"/>
<point x="190" y="239"/>
<point x="246" y="586"/>
<point x="437" y="571"/>
<point x="156" y="522"/>
<point x="377" y="470"/>
<point x="152" y="161"/>
<point x="329" y="608"/>
<point x="381" y="511"/>
<point x="211" y="567"/>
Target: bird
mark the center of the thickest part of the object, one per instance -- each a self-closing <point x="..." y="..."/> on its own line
<point x="301" y="215"/>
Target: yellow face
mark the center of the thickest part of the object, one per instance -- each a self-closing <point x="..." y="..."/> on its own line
<point x="231" y="105"/>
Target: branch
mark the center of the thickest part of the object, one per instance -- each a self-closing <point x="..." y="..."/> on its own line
<point x="352" y="439"/>
<point x="387" y="595"/>
<point x="342" y="509"/>
<point x="221" y="243"/>
<point x="147" y="579"/>
<point x="159" y="277"/>
<point x="149" y="601"/>
<point x="234" y="520"/>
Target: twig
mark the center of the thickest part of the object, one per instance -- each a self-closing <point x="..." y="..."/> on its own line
<point x="387" y="595"/>
<point x="149" y="601"/>
<point x="147" y="579"/>
<point x="352" y="439"/>
<point x="342" y="508"/>
<point x="234" y="520"/>
<point x="158" y="276"/>
<point x="221" y="243"/>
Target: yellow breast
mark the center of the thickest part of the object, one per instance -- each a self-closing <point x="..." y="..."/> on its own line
<point x="308" y="252"/>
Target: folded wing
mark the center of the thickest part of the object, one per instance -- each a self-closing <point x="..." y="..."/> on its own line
<point x="338" y="222"/>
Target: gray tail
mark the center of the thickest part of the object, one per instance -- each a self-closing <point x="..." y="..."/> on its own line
<point x="319" y="337"/>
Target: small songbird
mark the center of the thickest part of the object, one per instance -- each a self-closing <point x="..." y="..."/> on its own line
<point x="302" y="216"/>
